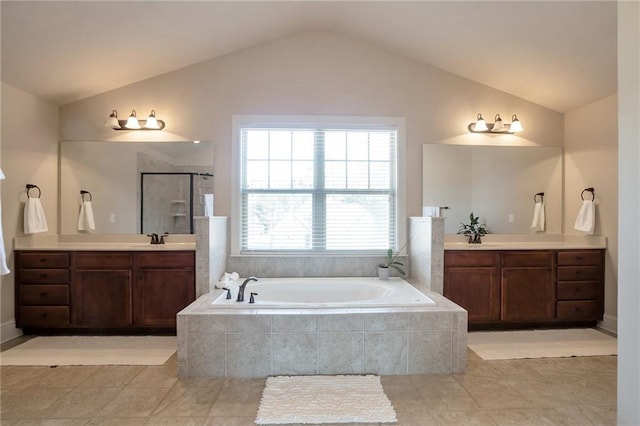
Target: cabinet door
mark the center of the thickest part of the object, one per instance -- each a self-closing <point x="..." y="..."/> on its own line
<point x="160" y="294"/>
<point x="102" y="298"/>
<point x="476" y="289"/>
<point x="527" y="294"/>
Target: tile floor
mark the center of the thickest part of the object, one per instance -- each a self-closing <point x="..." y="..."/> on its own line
<point x="559" y="391"/>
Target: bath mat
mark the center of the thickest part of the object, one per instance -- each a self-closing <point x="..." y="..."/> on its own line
<point x="91" y="350"/>
<point x="324" y="399"/>
<point x="492" y="345"/>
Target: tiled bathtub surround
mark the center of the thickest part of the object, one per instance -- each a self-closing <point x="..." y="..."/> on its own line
<point x="426" y="252"/>
<point x="217" y="343"/>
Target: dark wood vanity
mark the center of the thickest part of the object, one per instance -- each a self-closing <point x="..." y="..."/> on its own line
<point x="526" y="288"/>
<point x="123" y="291"/>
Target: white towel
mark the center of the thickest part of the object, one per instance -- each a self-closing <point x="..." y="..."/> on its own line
<point x="4" y="269"/>
<point x="227" y="279"/>
<point x="430" y="211"/>
<point x="86" y="221"/>
<point x="34" y="218"/>
<point x="208" y="205"/>
<point x="538" y="217"/>
<point x="586" y="220"/>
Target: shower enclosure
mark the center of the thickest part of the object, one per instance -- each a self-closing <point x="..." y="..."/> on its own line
<point x="170" y="200"/>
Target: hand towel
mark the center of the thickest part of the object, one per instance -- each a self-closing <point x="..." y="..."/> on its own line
<point x="538" y="217"/>
<point x="227" y="279"/>
<point x="4" y="269"/>
<point x="86" y="221"/>
<point x="34" y="218"/>
<point x="586" y="220"/>
<point x="430" y="211"/>
<point x="208" y="205"/>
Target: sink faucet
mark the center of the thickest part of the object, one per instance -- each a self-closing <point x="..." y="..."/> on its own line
<point x="154" y="238"/>
<point x="242" y="287"/>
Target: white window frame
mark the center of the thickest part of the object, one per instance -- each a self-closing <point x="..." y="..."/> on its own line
<point x="310" y="121"/>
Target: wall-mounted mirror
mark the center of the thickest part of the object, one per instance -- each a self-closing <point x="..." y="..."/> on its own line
<point x="496" y="183"/>
<point x="112" y="172"/>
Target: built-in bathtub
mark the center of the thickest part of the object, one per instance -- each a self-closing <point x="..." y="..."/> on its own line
<point x="324" y="293"/>
<point x="384" y="328"/>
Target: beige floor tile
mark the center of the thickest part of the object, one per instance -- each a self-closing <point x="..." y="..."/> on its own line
<point x="29" y="403"/>
<point x="184" y="401"/>
<point x="113" y="376"/>
<point x="117" y="421"/>
<point x="466" y="418"/>
<point x="447" y="397"/>
<point x="81" y="403"/>
<point x="531" y="416"/>
<point x="20" y="377"/>
<point x="493" y="395"/>
<point x="48" y="422"/>
<point x="65" y="376"/>
<point x="134" y="402"/>
<point x="155" y="376"/>
<point x="176" y="421"/>
<point x="590" y="415"/>
<point x="230" y="421"/>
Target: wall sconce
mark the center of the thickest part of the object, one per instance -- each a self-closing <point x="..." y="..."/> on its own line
<point x="498" y="126"/>
<point x="132" y="123"/>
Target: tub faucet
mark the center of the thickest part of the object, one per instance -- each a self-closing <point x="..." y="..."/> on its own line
<point x="242" y="287"/>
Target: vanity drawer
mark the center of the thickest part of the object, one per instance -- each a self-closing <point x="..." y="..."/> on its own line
<point x="574" y="290"/>
<point x="584" y="310"/>
<point x="43" y="260"/>
<point x="580" y="258"/>
<point x="579" y="273"/>
<point x="524" y="259"/>
<point x="165" y="259"/>
<point x="454" y="258"/>
<point x="102" y="260"/>
<point x="44" y="294"/>
<point x="44" y="276"/>
<point x="44" y="317"/>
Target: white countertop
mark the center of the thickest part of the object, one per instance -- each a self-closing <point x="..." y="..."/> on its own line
<point x="526" y="242"/>
<point x="103" y="242"/>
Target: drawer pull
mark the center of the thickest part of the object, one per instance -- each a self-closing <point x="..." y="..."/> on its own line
<point x="43" y="275"/>
<point x="43" y="259"/>
<point x="44" y="315"/>
<point x="43" y="294"/>
<point x="579" y="257"/>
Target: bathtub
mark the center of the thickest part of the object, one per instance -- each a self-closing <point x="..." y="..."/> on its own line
<point x="322" y="293"/>
<point x="321" y="326"/>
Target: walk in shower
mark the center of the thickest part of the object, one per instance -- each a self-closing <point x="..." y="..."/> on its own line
<point x="170" y="200"/>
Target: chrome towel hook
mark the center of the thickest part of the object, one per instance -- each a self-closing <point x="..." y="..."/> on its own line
<point x="83" y="193"/>
<point x="539" y="194"/>
<point x="591" y="190"/>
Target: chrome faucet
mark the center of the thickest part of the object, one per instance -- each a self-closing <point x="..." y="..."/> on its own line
<point x="154" y="238"/>
<point x="242" y="287"/>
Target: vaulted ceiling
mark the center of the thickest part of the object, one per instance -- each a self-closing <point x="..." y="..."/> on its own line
<point x="558" y="54"/>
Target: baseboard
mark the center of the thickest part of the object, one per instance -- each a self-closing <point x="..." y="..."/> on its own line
<point x="8" y="331"/>
<point x="609" y="323"/>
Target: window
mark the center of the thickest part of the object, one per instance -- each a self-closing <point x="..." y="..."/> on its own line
<point x="318" y="188"/>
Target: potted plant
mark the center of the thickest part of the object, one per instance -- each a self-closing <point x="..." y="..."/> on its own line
<point x="474" y="229"/>
<point x="391" y="262"/>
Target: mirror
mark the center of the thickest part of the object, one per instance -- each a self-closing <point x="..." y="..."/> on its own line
<point x="112" y="171"/>
<point x="496" y="183"/>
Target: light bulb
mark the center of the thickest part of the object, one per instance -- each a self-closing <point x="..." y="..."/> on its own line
<point x="481" y="125"/>
<point x="132" y="121"/>
<point x="152" y="122"/>
<point x="515" y="124"/>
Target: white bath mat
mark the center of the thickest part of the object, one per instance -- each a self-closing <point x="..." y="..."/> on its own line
<point x="493" y="345"/>
<point x="324" y="399"/>
<point x="91" y="350"/>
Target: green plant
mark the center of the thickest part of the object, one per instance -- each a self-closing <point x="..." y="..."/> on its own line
<point x="392" y="262"/>
<point x="474" y="227"/>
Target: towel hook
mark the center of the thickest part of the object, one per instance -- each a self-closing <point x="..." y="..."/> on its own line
<point x="31" y="186"/>
<point x="83" y="193"/>
<point x="539" y="194"/>
<point x="591" y="190"/>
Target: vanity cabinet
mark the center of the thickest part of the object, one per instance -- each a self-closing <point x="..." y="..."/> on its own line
<point x="159" y="274"/>
<point x="526" y="288"/>
<point x="102" y="286"/>
<point x="84" y="290"/>
<point x="580" y="289"/>
<point x="472" y="279"/>
<point x="42" y="296"/>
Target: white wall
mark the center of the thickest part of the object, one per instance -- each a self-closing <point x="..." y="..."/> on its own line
<point x="629" y="235"/>
<point x="29" y="155"/>
<point x="591" y="160"/>
<point x="313" y="73"/>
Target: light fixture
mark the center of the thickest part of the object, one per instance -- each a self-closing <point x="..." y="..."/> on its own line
<point x="481" y="126"/>
<point x="132" y="123"/>
<point x="112" y="121"/>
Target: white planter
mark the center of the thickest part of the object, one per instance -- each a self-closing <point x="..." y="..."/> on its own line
<point x="383" y="273"/>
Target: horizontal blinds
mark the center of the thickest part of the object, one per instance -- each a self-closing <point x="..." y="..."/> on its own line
<point x="318" y="190"/>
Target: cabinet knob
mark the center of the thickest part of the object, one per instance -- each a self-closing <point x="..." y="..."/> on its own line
<point x="578" y="257"/>
<point x="43" y="275"/>
<point x="44" y="315"/>
<point x="43" y="259"/>
<point x="43" y="294"/>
